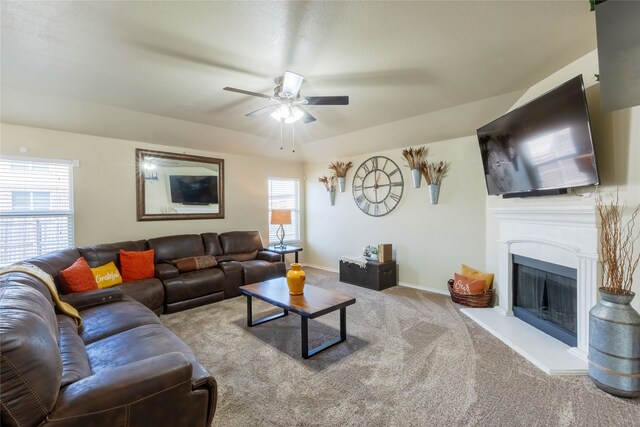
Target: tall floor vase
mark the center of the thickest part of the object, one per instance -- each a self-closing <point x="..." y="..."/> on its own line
<point x="614" y="345"/>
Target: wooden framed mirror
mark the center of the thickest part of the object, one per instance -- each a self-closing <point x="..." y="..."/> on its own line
<point x="172" y="186"/>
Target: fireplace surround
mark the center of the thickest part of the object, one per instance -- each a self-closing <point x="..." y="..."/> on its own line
<point x="562" y="235"/>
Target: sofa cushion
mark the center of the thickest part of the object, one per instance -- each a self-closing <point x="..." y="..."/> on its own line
<point x="54" y="262"/>
<point x="148" y="292"/>
<point x="102" y="254"/>
<point x="110" y="319"/>
<point x="27" y="280"/>
<point x="194" y="284"/>
<point x="242" y="245"/>
<point x="31" y="365"/>
<point x="170" y="248"/>
<point x="212" y="244"/>
<point x="140" y="343"/>
<point x="78" y="277"/>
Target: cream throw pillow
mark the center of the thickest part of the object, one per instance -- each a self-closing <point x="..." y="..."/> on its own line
<point x="472" y="273"/>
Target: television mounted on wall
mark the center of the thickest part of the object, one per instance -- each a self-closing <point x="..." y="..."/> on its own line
<point x="194" y="190"/>
<point x="542" y="147"/>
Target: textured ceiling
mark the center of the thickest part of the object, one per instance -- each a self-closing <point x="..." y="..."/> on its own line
<point x="154" y="71"/>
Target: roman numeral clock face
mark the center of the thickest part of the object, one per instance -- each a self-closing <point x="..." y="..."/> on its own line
<point x="377" y="186"/>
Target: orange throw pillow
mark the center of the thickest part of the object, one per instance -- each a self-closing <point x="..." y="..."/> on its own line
<point x="467" y="285"/>
<point x="78" y="277"/>
<point x="136" y="265"/>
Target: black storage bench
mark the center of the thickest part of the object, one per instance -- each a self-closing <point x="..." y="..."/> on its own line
<point x="376" y="275"/>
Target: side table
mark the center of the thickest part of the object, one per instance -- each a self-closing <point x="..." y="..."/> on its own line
<point x="285" y="250"/>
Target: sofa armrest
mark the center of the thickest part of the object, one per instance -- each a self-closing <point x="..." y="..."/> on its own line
<point x="123" y="385"/>
<point x="230" y="266"/>
<point x="269" y="256"/>
<point x="233" y="278"/>
<point x="84" y="300"/>
<point x="224" y="258"/>
<point x="165" y="270"/>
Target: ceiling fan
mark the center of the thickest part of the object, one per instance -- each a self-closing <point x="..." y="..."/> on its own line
<point x="289" y="106"/>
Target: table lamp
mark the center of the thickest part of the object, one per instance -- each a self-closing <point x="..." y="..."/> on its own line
<point x="280" y="217"/>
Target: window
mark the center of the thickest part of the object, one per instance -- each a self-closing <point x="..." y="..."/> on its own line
<point x="285" y="194"/>
<point x="36" y="207"/>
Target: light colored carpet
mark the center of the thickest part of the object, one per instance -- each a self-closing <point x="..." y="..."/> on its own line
<point x="410" y="359"/>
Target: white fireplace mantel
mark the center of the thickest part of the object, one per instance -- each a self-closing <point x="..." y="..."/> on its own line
<point x="562" y="235"/>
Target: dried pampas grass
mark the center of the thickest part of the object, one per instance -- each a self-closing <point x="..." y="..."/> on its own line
<point x="434" y="172"/>
<point x="329" y="182"/>
<point x="340" y="168"/>
<point x="415" y="156"/>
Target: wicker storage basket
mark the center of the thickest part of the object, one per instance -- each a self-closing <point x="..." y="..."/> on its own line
<point x="478" y="300"/>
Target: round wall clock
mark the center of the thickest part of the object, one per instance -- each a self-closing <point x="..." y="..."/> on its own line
<point x="377" y="186"/>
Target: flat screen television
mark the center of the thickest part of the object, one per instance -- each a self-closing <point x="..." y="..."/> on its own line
<point x="542" y="147"/>
<point x="193" y="190"/>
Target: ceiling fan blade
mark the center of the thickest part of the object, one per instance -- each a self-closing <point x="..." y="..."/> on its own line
<point x="291" y="83"/>
<point x="262" y="111"/>
<point x="307" y="118"/>
<point x="327" y="100"/>
<point x="246" y="92"/>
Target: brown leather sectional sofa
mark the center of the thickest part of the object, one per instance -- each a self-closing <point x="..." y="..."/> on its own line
<point x="122" y="366"/>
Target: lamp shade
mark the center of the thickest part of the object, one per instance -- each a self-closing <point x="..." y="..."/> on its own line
<point x="280" y="216"/>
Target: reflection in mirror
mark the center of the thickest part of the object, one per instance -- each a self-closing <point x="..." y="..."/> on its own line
<point x="178" y="186"/>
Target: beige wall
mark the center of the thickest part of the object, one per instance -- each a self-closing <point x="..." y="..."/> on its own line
<point x="617" y="142"/>
<point x="105" y="190"/>
<point x="430" y="240"/>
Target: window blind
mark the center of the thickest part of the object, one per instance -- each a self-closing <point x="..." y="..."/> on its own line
<point x="36" y="207"/>
<point x="285" y="194"/>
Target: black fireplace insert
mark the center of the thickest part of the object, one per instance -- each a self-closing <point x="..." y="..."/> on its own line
<point x="545" y="296"/>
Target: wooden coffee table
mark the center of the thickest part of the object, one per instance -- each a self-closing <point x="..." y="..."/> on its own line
<point x="313" y="303"/>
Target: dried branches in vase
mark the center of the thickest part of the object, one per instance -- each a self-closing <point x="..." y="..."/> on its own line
<point x="415" y="156"/>
<point x="329" y="182"/>
<point x="434" y="172"/>
<point x="340" y="168"/>
<point x="617" y="240"/>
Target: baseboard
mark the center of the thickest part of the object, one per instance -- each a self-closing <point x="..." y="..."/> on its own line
<point x="406" y="284"/>
<point x="320" y="267"/>
<point x="424" y="288"/>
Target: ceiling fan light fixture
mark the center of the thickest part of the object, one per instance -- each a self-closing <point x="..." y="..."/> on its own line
<point x="288" y="113"/>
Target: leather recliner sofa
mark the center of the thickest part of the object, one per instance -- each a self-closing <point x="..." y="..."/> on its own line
<point x="122" y="367"/>
<point x="240" y="255"/>
<point x="241" y="260"/>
